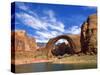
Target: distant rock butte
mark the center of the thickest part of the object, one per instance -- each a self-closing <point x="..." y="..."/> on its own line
<point x="89" y="35"/>
<point x="20" y="41"/>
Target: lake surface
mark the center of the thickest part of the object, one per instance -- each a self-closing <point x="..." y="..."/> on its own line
<point x="45" y="66"/>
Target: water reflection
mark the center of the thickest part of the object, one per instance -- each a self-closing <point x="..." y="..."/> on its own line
<point x="41" y="67"/>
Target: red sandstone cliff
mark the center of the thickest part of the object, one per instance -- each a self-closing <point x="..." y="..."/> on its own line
<point x="20" y="41"/>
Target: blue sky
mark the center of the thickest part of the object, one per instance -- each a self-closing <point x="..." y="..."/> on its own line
<point x="45" y="21"/>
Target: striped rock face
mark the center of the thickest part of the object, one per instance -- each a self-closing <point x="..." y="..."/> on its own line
<point x="21" y="42"/>
<point x="89" y="35"/>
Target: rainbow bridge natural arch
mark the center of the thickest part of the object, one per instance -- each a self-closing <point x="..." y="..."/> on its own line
<point x="50" y="44"/>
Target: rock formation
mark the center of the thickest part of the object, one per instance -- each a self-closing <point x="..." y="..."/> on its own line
<point x="76" y="40"/>
<point x="73" y="41"/>
<point x="89" y="35"/>
<point x="21" y="42"/>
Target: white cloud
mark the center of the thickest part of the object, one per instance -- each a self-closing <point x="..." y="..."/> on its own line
<point x="46" y="35"/>
<point x="52" y="21"/>
<point x="47" y="26"/>
<point x="22" y="6"/>
<point x="31" y="21"/>
<point x="57" y="26"/>
<point x="74" y="30"/>
<point x="49" y="21"/>
<point x="37" y="23"/>
<point x="62" y="40"/>
<point x="51" y="15"/>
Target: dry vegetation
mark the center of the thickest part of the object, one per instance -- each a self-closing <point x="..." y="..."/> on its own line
<point x="77" y="59"/>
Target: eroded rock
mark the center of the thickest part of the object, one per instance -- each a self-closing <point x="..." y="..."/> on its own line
<point x="21" y="42"/>
<point x="89" y="35"/>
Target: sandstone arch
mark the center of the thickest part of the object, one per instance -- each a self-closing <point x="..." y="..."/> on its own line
<point x="52" y="41"/>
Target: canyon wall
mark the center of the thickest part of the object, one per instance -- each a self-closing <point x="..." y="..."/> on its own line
<point x="89" y="35"/>
<point x="21" y="42"/>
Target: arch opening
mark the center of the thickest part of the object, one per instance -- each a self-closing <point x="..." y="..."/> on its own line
<point x="61" y="47"/>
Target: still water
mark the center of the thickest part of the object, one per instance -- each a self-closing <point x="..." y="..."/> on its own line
<point x="44" y="67"/>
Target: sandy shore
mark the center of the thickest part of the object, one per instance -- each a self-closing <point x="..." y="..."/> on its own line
<point x="67" y="60"/>
<point x="28" y="61"/>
